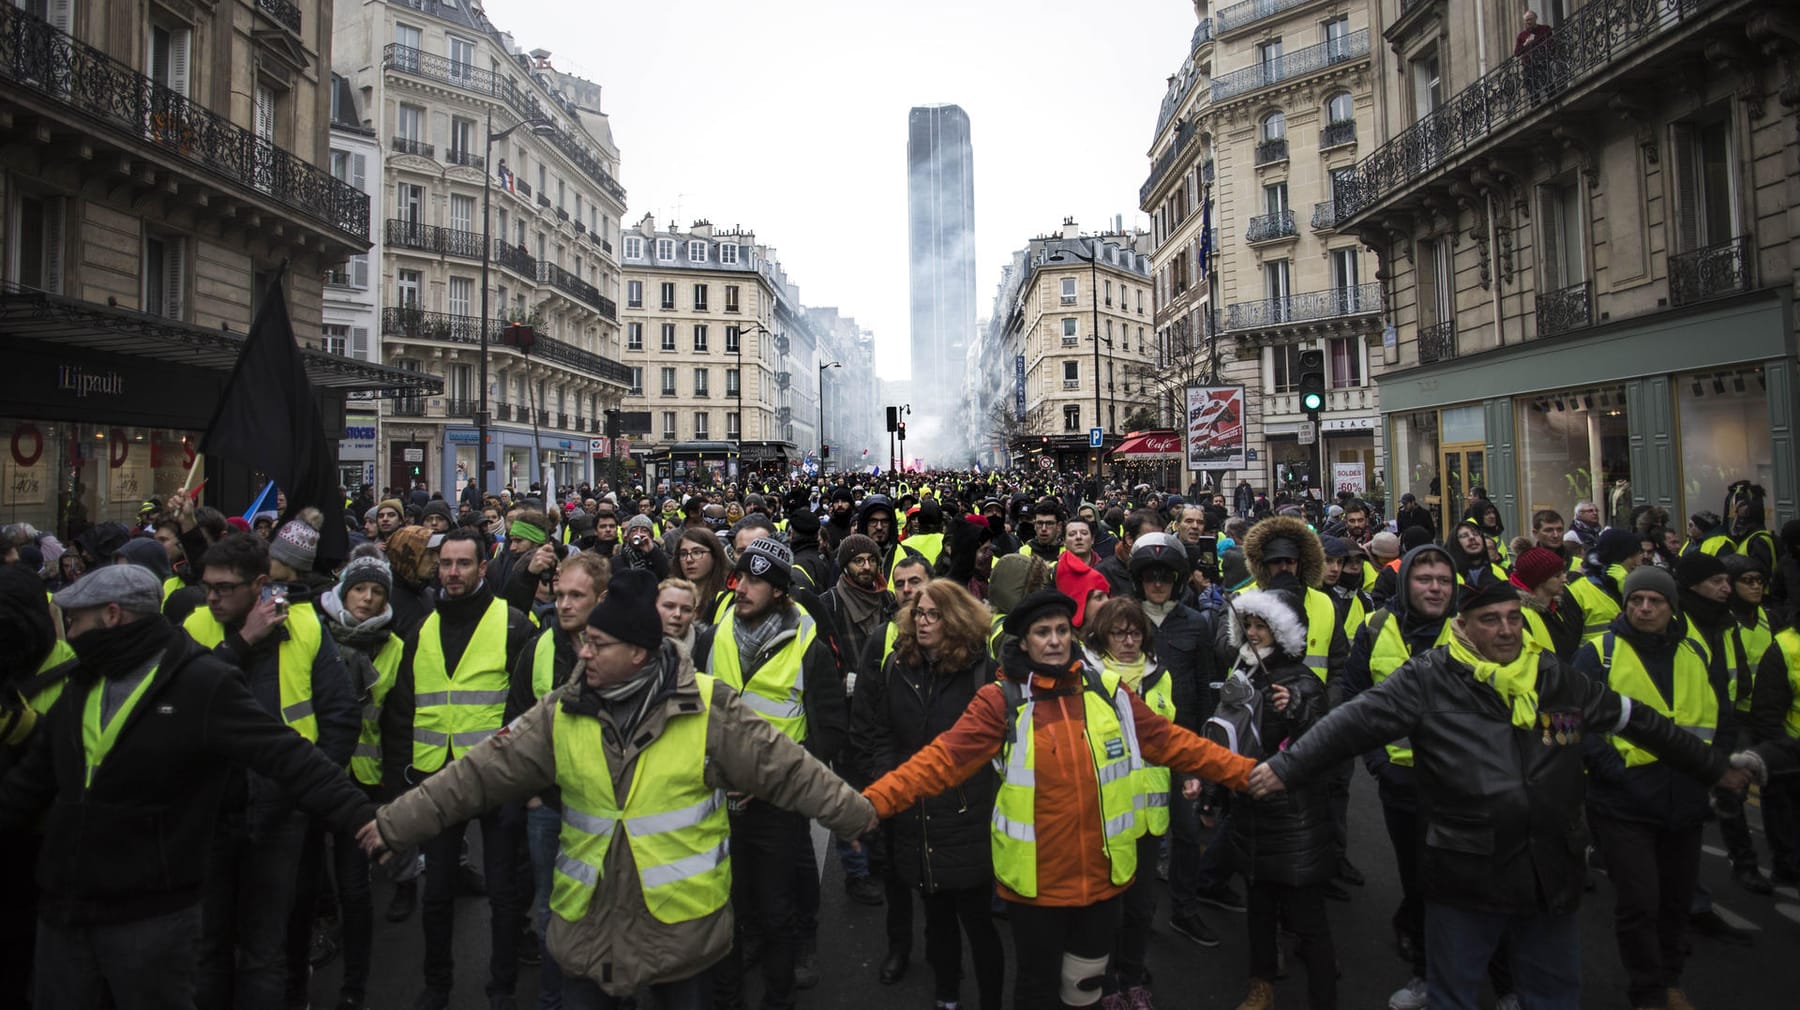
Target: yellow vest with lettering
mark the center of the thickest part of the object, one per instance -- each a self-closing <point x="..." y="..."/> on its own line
<point x="1388" y="652"/>
<point x="365" y="761"/>
<point x="1111" y="734"/>
<point x="452" y="713"/>
<point x="677" y="827"/>
<point x="294" y="659"/>
<point x="1696" y="708"/>
<point x="777" y="690"/>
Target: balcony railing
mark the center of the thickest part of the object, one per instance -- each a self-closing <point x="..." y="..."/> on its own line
<point x="430" y="238"/>
<point x="783" y="379"/>
<point x="419" y="63"/>
<point x="1324" y="216"/>
<point x="1238" y="15"/>
<point x="543" y="201"/>
<point x="502" y="411"/>
<point x="407" y="145"/>
<point x="467" y="158"/>
<point x="1202" y="34"/>
<point x="1311" y="306"/>
<point x="1565" y="309"/>
<point x="1270" y="151"/>
<point x="443" y="327"/>
<point x="1269" y="227"/>
<point x="461" y="408"/>
<point x="38" y="58"/>
<point x="1437" y="343"/>
<point x="1598" y="35"/>
<point x="515" y="258"/>
<point x="569" y="284"/>
<point x="1337" y="134"/>
<point x="1183" y="134"/>
<point x="284" y="12"/>
<point x="1712" y="272"/>
<point x="1288" y="66"/>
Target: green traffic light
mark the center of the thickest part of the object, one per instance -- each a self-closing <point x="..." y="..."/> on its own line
<point x="1312" y="401"/>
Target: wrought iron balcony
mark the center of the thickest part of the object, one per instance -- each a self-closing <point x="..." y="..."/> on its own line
<point x="408" y="145"/>
<point x="1437" y="343"/>
<point x="562" y="421"/>
<point x="543" y="201"/>
<point x="1337" y="134"/>
<point x="408" y="407"/>
<point x="1183" y="135"/>
<point x="40" y="59"/>
<point x="561" y="214"/>
<point x="1289" y="66"/>
<point x="1238" y="15"/>
<point x="569" y="284"/>
<point x="502" y="411"/>
<point x="460" y="408"/>
<point x="515" y="258"/>
<point x="1712" y="272"/>
<point x="443" y="327"/>
<point x="1563" y="310"/>
<point x="1270" y="227"/>
<point x="784" y="415"/>
<point x="1598" y="35"/>
<point x="430" y="238"/>
<point x="1202" y="34"/>
<point x="1311" y="306"/>
<point x="1270" y="151"/>
<point x="783" y="379"/>
<point x="467" y="158"/>
<point x="1324" y="216"/>
<point x="284" y="13"/>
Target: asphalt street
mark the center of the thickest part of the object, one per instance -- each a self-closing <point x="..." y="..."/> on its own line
<point x="852" y="944"/>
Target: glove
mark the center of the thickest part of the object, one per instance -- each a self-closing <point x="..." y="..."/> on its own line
<point x="1752" y="762"/>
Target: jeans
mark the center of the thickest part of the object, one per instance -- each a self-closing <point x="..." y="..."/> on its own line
<point x="499" y="842"/>
<point x="1302" y="909"/>
<point x="542" y="827"/>
<point x="1544" y="952"/>
<point x="1139" y="908"/>
<point x="145" y="965"/>
<point x="692" y="993"/>
<point x="763" y="842"/>
<point x="1042" y="934"/>
<point x="1653" y="873"/>
<point x="951" y="915"/>
<point x="244" y="912"/>
<point x="1184" y="852"/>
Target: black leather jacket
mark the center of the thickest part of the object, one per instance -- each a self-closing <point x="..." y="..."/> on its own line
<point x="1500" y="809"/>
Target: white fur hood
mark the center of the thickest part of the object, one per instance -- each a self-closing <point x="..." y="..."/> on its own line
<point x="1278" y="613"/>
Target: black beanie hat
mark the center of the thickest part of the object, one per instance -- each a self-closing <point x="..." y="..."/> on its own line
<point x="1696" y="568"/>
<point x="1042" y="603"/>
<point x="629" y="611"/>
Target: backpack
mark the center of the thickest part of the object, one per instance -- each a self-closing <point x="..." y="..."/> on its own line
<point x="1237" y="723"/>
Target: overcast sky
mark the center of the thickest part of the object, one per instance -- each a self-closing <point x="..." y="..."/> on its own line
<point x="789" y="117"/>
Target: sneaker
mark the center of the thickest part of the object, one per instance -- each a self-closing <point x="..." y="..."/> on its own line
<point x="1261" y="997"/>
<point x="864" y="890"/>
<point x="1138" y="998"/>
<point x="1708" y="924"/>
<point x="405" y="900"/>
<point x="806" y="965"/>
<point x="1222" y="897"/>
<point x="1348" y="873"/>
<point x="1751" y="879"/>
<point x="1410" y="996"/>
<point x="1194" y="929"/>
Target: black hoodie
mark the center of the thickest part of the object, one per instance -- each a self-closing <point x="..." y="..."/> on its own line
<point x="1417" y="630"/>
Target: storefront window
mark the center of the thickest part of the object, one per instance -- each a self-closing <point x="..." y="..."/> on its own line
<point x="1414" y="456"/>
<point x="1574" y="446"/>
<point x="64" y="478"/>
<point x="1724" y="426"/>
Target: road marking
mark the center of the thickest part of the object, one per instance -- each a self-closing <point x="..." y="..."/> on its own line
<point x="1733" y="919"/>
<point x="1791" y="911"/>
<point x="1711" y="851"/>
<point x="1788" y="892"/>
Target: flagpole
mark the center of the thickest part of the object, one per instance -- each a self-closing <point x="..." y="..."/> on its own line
<point x="187" y="486"/>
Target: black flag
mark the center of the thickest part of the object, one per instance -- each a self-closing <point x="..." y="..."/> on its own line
<point x="269" y="420"/>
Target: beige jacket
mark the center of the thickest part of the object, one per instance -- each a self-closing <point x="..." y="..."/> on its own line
<point x="619" y="944"/>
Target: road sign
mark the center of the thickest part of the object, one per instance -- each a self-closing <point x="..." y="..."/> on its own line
<point x="1096" y="437"/>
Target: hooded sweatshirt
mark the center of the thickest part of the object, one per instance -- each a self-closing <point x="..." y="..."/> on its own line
<point x="1076" y="580"/>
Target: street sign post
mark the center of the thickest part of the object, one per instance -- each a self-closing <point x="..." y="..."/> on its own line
<point x="1096" y="437"/>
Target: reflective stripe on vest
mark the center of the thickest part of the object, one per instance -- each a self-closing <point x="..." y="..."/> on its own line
<point x="1696" y="707"/>
<point x="294" y="661"/>
<point x="1716" y="543"/>
<point x="1789" y="641"/>
<point x="97" y="740"/>
<point x="1388" y="652"/>
<point x="452" y="713"/>
<point x="777" y="690"/>
<point x="1108" y="726"/>
<point x="678" y="830"/>
<point x="996" y="634"/>
<point x="365" y="761"/>
<point x="1152" y="799"/>
<point x="1321" y="621"/>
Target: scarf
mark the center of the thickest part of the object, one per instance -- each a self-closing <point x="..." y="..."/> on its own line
<point x="629" y="699"/>
<point x="1515" y="682"/>
<point x="752" y="637"/>
<point x="116" y="652"/>
<point x="1131" y="673"/>
<point x="863" y="608"/>
<point x="1157" y="611"/>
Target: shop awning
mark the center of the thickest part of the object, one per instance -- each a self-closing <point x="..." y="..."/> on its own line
<point x="1150" y="447"/>
<point x="52" y="319"/>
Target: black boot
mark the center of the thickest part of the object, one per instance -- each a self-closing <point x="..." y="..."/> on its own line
<point x="893" y="967"/>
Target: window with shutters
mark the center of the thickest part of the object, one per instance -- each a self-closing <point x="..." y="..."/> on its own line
<point x="37" y="227"/>
<point x="462" y="294"/>
<point x="1561" y="258"/>
<point x="1706" y="199"/>
<point x="462" y="212"/>
<point x="334" y="338"/>
<point x="164" y="276"/>
<point x="168" y="59"/>
<point x="359" y="343"/>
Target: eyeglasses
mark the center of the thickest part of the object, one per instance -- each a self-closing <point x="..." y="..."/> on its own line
<point x="1128" y="634"/>
<point x="694" y="555"/>
<point x="222" y="588"/>
<point x="927" y="616"/>
<point x="1750" y="580"/>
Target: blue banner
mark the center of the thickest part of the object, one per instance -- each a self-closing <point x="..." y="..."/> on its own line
<point x="1019" y="387"/>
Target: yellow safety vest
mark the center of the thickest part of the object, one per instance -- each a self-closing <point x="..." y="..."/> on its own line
<point x="1598" y="608"/>
<point x="1538" y="630"/>
<point x="1734" y="653"/>
<point x="1111" y="734"/>
<point x="365" y="760"/>
<point x="1743" y="547"/>
<point x="1755" y="639"/>
<point x="1789" y="641"/>
<point x="1388" y="652"/>
<point x="294" y="659"/>
<point x="1153" y="780"/>
<point x="1355" y="616"/>
<point x="543" y="662"/>
<point x="171" y="584"/>
<point x="453" y="713"/>
<point x="97" y="740"/>
<point x="678" y="830"/>
<point x="1321" y="623"/>
<point x="1714" y="544"/>
<point x="776" y="691"/>
<point x="996" y="635"/>
<point x="46" y="696"/>
<point x="929" y="545"/>
<point x="1696" y="708"/>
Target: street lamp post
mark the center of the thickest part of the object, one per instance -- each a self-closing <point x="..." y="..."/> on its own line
<point x="487" y="255"/>
<point x="754" y="328"/>
<point x="822" y="368"/>
<point x="1093" y="262"/>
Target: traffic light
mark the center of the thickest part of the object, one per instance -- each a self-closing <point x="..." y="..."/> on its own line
<point x="612" y="423"/>
<point x="900" y="430"/>
<point x="893" y="419"/>
<point x="824" y="451"/>
<point x="1312" y="383"/>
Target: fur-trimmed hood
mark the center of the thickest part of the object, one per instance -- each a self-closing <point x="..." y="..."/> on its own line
<point x="1312" y="554"/>
<point x="1279" y="610"/>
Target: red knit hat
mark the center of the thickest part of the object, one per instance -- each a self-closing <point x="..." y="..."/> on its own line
<point x="1538" y="564"/>
<point x="1076" y="580"/>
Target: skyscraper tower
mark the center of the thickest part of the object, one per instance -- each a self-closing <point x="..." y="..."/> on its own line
<point x="940" y="197"/>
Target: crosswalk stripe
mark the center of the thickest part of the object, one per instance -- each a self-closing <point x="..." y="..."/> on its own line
<point x="1791" y="911"/>
<point x="1733" y="919"/>
<point x="1714" y="851"/>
